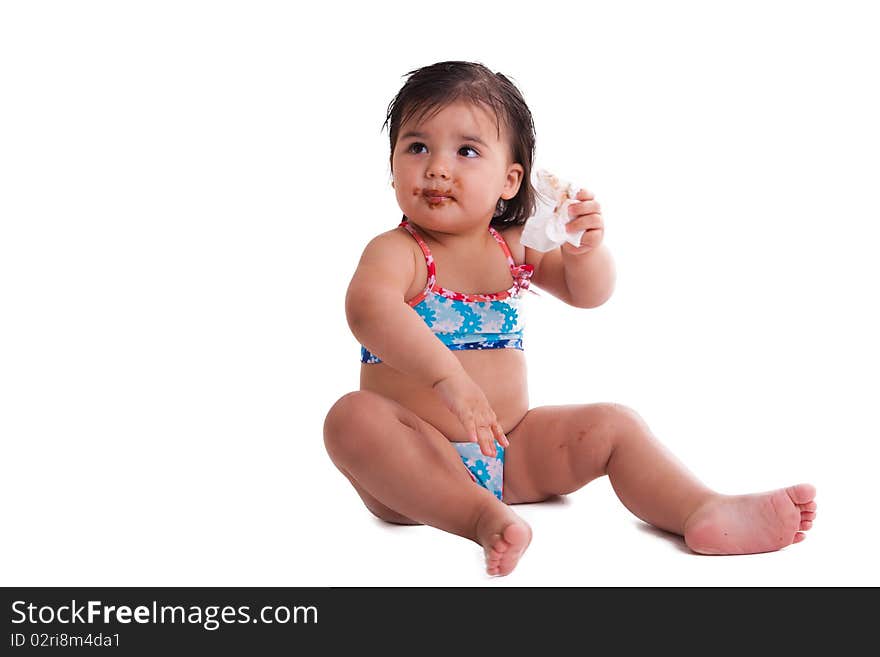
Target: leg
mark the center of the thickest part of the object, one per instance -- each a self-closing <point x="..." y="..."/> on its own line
<point x="407" y="472"/>
<point x="555" y="450"/>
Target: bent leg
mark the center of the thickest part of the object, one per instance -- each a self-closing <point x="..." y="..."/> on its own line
<point x="555" y="450"/>
<point x="397" y="462"/>
<point x="406" y="471"/>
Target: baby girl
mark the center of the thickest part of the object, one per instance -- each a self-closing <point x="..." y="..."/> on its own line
<point x="441" y="432"/>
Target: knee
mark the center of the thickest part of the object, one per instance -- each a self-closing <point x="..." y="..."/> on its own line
<point x="621" y="421"/>
<point x="345" y="421"/>
<point x="614" y="427"/>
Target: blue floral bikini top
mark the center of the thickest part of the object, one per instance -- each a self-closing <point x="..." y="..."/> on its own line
<point x="469" y="321"/>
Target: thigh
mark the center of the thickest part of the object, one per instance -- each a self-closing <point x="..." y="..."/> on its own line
<point x="554" y="450"/>
<point x="375" y="507"/>
<point x="363" y="424"/>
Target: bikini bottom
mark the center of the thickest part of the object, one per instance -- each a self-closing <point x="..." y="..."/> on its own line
<point x="487" y="471"/>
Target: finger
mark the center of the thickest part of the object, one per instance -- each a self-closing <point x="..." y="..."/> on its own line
<point x="487" y="445"/>
<point x="470" y="427"/>
<point x="490" y="440"/>
<point x="589" y="222"/>
<point x="499" y="435"/>
<point x="586" y="207"/>
<point x="591" y="239"/>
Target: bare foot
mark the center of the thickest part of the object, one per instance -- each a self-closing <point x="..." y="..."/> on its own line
<point x="747" y="524"/>
<point x="504" y="537"/>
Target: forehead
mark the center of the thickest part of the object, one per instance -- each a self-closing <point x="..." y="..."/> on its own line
<point x="468" y="118"/>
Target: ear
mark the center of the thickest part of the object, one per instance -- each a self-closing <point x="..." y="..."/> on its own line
<point x="512" y="182"/>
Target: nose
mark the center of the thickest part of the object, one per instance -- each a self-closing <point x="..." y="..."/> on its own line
<point x="438" y="167"/>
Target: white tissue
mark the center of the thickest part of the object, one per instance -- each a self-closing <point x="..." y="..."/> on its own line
<point x="545" y="230"/>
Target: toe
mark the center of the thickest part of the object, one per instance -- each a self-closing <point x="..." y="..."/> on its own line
<point x="798" y="537"/>
<point x="809" y="506"/>
<point x="807" y="515"/>
<point x="501" y="546"/>
<point x="801" y="493"/>
<point x="806" y="524"/>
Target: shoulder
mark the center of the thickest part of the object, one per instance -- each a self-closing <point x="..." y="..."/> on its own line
<point x="521" y="255"/>
<point x="396" y="244"/>
<point x="391" y="257"/>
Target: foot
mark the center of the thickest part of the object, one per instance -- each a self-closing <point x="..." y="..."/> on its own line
<point x="504" y="537"/>
<point x="747" y="524"/>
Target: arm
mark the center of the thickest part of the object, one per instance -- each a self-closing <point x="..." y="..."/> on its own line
<point x="589" y="276"/>
<point x="384" y="323"/>
<point x="380" y="318"/>
<point x="580" y="276"/>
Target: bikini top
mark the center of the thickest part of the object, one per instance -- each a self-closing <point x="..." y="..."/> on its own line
<point x="469" y="321"/>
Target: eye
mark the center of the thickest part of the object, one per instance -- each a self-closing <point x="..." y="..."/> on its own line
<point x="415" y="145"/>
<point x="468" y="148"/>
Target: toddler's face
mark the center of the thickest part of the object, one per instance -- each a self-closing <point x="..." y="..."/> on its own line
<point x="451" y="169"/>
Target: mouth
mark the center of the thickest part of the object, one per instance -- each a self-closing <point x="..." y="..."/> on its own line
<point x="436" y="196"/>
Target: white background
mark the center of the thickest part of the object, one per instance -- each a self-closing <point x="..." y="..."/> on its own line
<point x="186" y="187"/>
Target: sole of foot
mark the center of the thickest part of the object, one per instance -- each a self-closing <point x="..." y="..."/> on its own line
<point x="751" y="524"/>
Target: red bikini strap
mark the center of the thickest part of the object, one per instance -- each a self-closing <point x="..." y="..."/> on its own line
<point x="429" y="261"/>
<point x="418" y="238"/>
<point x="503" y="244"/>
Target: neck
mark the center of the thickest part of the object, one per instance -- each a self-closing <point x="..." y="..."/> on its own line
<point x="462" y="240"/>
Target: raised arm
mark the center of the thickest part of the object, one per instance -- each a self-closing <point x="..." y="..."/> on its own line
<point x="581" y="276"/>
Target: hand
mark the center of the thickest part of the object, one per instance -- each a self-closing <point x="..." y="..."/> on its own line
<point x="466" y="400"/>
<point x="585" y="216"/>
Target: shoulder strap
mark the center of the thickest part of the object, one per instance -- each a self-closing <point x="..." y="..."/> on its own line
<point x="521" y="273"/>
<point x="503" y="244"/>
<point x="418" y="238"/>
<point x="429" y="262"/>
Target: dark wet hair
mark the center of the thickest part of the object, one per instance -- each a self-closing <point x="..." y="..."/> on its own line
<point x="431" y="88"/>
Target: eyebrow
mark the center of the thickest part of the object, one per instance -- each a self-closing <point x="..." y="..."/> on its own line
<point x="422" y="135"/>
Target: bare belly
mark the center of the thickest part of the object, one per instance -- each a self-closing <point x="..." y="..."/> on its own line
<point x="501" y="373"/>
